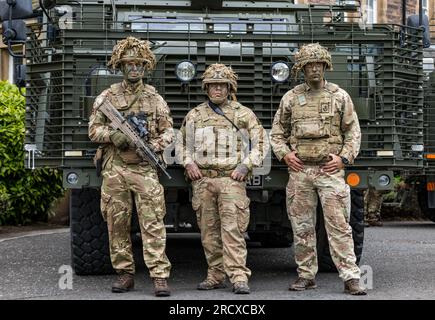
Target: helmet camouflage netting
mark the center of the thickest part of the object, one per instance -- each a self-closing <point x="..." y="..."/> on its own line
<point x="132" y="48"/>
<point x="312" y="52"/>
<point x="220" y="73"/>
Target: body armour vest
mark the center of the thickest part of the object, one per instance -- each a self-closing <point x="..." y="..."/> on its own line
<point x="217" y="144"/>
<point x="134" y="103"/>
<point x="315" y="123"/>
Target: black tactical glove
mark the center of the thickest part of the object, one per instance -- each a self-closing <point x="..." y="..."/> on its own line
<point x="120" y="140"/>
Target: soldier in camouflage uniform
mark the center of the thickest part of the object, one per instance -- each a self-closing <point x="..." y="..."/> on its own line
<point x="373" y="203"/>
<point x="128" y="178"/>
<point x="215" y="162"/>
<point x="316" y="132"/>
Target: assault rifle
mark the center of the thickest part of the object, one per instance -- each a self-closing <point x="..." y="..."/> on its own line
<point x="142" y="149"/>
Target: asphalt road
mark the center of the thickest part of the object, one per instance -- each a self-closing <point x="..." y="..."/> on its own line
<point x="401" y="256"/>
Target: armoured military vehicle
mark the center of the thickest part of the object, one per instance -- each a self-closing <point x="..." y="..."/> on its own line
<point x="66" y="54"/>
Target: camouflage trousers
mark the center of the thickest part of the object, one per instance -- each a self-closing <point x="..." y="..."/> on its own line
<point x="222" y="210"/>
<point x="334" y="194"/>
<point x="123" y="184"/>
<point x="373" y="204"/>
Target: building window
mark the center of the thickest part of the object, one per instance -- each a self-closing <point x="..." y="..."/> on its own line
<point x="371" y="11"/>
<point x="425" y="7"/>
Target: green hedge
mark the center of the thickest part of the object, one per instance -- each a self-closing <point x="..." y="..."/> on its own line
<point x="25" y="195"/>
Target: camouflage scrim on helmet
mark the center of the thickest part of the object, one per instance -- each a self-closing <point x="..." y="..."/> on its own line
<point x="132" y="48"/>
<point x="220" y="73"/>
<point x="312" y="52"/>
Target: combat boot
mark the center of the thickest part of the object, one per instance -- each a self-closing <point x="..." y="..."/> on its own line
<point x="352" y="287"/>
<point x="302" y="284"/>
<point x="209" y="284"/>
<point x="241" y="287"/>
<point x="124" y="283"/>
<point x="161" y="288"/>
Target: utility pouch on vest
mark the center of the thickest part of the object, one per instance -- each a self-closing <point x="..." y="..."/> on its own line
<point x="311" y="129"/>
<point x="98" y="160"/>
<point x="312" y="150"/>
<point x="130" y="157"/>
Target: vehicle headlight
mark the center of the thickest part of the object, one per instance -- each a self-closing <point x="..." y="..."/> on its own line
<point x="280" y="71"/>
<point x="417" y="147"/>
<point x="384" y="180"/>
<point x="185" y="71"/>
<point x="72" y="178"/>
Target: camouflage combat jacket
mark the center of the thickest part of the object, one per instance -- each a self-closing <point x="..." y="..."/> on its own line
<point x="316" y="123"/>
<point x="214" y="143"/>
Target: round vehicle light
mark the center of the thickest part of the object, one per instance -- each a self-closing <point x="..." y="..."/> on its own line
<point x="384" y="180"/>
<point x="280" y="71"/>
<point x="185" y="71"/>
<point x="72" y="178"/>
<point x="353" y="179"/>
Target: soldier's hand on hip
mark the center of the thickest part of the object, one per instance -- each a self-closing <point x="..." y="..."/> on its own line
<point x="193" y="171"/>
<point x="333" y="165"/>
<point x="120" y="140"/>
<point x="293" y="162"/>
<point x="240" y="172"/>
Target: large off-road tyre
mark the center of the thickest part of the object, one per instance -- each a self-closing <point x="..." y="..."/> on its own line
<point x="423" y="202"/>
<point x="356" y="222"/>
<point x="89" y="238"/>
<point x="276" y="239"/>
<point x="279" y="233"/>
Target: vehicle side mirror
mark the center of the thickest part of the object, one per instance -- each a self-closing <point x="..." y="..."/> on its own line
<point x="15" y="9"/>
<point x="14" y="31"/>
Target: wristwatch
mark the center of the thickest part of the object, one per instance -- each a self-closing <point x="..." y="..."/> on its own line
<point x="344" y="160"/>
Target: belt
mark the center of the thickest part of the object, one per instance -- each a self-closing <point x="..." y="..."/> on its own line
<point x="211" y="173"/>
<point x="315" y="163"/>
<point x="120" y="162"/>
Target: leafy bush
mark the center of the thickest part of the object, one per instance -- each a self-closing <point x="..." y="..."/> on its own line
<point x="25" y="195"/>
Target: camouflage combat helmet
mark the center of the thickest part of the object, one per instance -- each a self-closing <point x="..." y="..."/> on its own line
<point x="312" y="52"/>
<point x="132" y="48"/>
<point x="220" y="73"/>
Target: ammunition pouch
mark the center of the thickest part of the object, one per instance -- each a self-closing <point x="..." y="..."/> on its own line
<point x="311" y="128"/>
<point x="312" y="150"/>
<point x="211" y="173"/>
<point x="130" y="156"/>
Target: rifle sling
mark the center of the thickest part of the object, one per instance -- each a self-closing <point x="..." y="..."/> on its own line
<point x="219" y="111"/>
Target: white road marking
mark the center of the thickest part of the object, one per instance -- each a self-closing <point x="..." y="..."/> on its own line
<point x="37" y="233"/>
